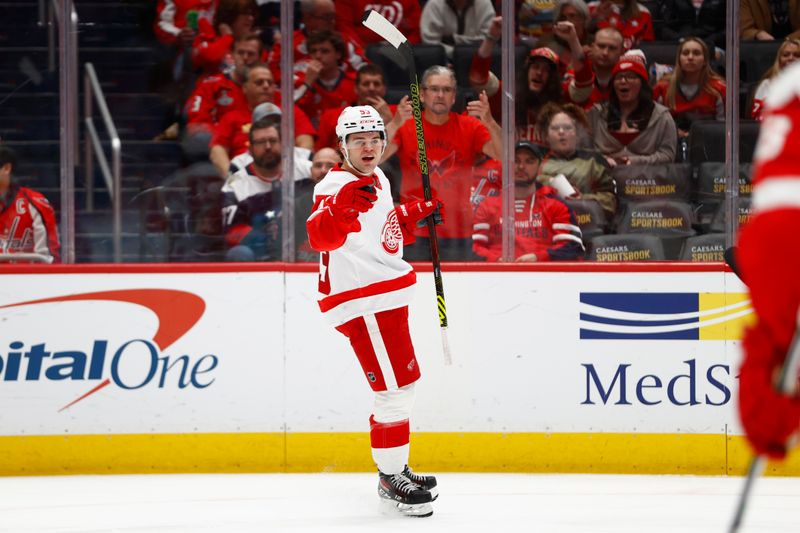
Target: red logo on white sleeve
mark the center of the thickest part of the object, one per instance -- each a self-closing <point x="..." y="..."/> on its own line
<point x="391" y="234"/>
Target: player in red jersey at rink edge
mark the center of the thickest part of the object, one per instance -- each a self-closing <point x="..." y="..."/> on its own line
<point x="365" y="287"/>
<point x="769" y="257"/>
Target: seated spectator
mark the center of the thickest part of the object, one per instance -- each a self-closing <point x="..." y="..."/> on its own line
<point x="631" y="18"/>
<point x="177" y="20"/>
<point x="604" y="53"/>
<point x="370" y="90"/>
<point x="452" y="22"/>
<point x="685" y="18"/>
<point x="576" y="12"/>
<point x="587" y="173"/>
<point x="230" y="134"/>
<point x="317" y="16"/>
<point x="452" y="142"/>
<point x="323" y="160"/>
<point x="404" y="15"/>
<point x="788" y="53"/>
<point x="693" y="91"/>
<point x="545" y="229"/>
<point x="768" y="20"/>
<point x="535" y="20"/>
<point x="27" y="220"/>
<point x="213" y="46"/>
<point x="251" y="211"/>
<point x="631" y="128"/>
<point x="324" y="83"/>
<point x="539" y="81"/>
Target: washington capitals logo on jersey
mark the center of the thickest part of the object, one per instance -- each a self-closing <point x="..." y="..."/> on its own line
<point x="391" y="234"/>
<point x="440" y="167"/>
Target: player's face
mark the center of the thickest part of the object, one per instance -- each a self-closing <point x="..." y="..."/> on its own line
<point x="265" y="147"/>
<point x="526" y="167"/>
<point x="439" y="94"/>
<point x="691" y="58"/>
<point x="365" y="150"/>
<point x="324" y="160"/>
<point x="606" y="49"/>
<point x="370" y="86"/>
<point x="538" y="74"/>
<point x="789" y="54"/>
<point x="260" y="86"/>
<point x="562" y="135"/>
<point x="627" y="85"/>
<point x="326" y="54"/>
<point x="246" y="53"/>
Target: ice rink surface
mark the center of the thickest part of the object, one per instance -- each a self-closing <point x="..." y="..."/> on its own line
<point x="348" y="502"/>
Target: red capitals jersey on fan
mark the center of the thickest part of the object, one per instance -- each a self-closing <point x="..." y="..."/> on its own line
<point x="171" y="16"/>
<point x="704" y="104"/>
<point x="366" y="274"/>
<point x="232" y="132"/>
<point x="319" y="98"/>
<point x="213" y="97"/>
<point x="635" y="30"/>
<point x="28" y="224"/>
<point x="543" y="225"/>
<point x="354" y="55"/>
<point x="452" y="150"/>
<point x="403" y="14"/>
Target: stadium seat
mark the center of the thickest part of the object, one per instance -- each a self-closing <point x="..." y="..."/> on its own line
<point x="670" y="220"/>
<point x="626" y="248"/>
<point x="636" y="183"/>
<point x="720" y="219"/>
<point x="393" y="64"/>
<point x="462" y="59"/>
<point x="590" y="216"/>
<point x="711" y="189"/>
<point x="704" y="248"/>
<point x="659" y="51"/>
<point x="707" y="141"/>
<point x="755" y="58"/>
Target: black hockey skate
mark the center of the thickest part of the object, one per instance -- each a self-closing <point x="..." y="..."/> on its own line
<point x="402" y="495"/>
<point x="426" y="482"/>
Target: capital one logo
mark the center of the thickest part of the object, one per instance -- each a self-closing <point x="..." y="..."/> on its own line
<point x="103" y="364"/>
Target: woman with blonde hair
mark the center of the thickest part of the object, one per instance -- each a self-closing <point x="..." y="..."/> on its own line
<point x="788" y="53"/>
<point x="693" y="91"/>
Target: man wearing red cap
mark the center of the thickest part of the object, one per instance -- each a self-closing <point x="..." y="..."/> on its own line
<point x="769" y="255"/>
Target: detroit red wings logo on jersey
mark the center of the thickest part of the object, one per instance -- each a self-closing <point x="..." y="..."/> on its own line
<point x="391" y="234"/>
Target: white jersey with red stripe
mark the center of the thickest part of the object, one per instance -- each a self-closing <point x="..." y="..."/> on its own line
<point x="366" y="274"/>
<point x="776" y="180"/>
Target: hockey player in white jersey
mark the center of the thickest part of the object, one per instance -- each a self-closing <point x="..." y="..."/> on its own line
<point x="365" y="287"/>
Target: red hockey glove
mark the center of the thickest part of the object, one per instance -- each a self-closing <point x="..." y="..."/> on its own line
<point x="769" y="418"/>
<point x="415" y="212"/>
<point x="353" y="198"/>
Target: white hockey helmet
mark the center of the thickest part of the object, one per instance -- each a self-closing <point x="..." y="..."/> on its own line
<point x="358" y="119"/>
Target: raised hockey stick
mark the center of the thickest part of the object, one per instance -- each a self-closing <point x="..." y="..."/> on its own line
<point x="785" y="384"/>
<point x="378" y="23"/>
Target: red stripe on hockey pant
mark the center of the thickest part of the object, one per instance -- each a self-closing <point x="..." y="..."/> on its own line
<point x="388" y="434"/>
<point x="397" y="339"/>
<point x="381" y="287"/>
<point x="356" y="331"/>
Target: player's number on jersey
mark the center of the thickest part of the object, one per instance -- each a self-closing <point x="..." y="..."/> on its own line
<point x="774" y="131"/>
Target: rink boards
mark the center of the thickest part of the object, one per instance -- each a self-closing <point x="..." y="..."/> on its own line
<point x="187" y="368"/>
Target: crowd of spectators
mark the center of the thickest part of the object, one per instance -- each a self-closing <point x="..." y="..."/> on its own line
<point x="587" y="101"/>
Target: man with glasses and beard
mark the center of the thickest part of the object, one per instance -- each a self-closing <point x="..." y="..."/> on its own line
<point x="251" y="204"/>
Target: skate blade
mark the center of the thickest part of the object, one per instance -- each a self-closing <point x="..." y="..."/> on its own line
<point x="393" y="508"/>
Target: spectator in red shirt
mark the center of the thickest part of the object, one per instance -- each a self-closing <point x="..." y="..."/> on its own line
<point x="27" y="220"/>
<point x="176" y="20"/>
<point x="693" y="91"/>
<point x="325" y="83"/>
<point x="370" y="90"/>
<point x="403" y="14"/>
<point x="317" y="16"/>
<point x="604" y="52"/>
<point x="545" y="229"/>
<point x="453" y="142"/>
<point x="788" y="53"/>
<point x="631" y="18"/>
<point x="230" y="136"/>
<point x="214" y="42"/>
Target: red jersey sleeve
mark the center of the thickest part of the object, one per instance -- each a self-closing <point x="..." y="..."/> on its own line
<point x="223" y="133"/>
<point x="45" y="228"/>
<point x="209" y="49"/>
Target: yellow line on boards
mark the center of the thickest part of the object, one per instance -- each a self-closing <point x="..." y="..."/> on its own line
<point x="623" y="453"/>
